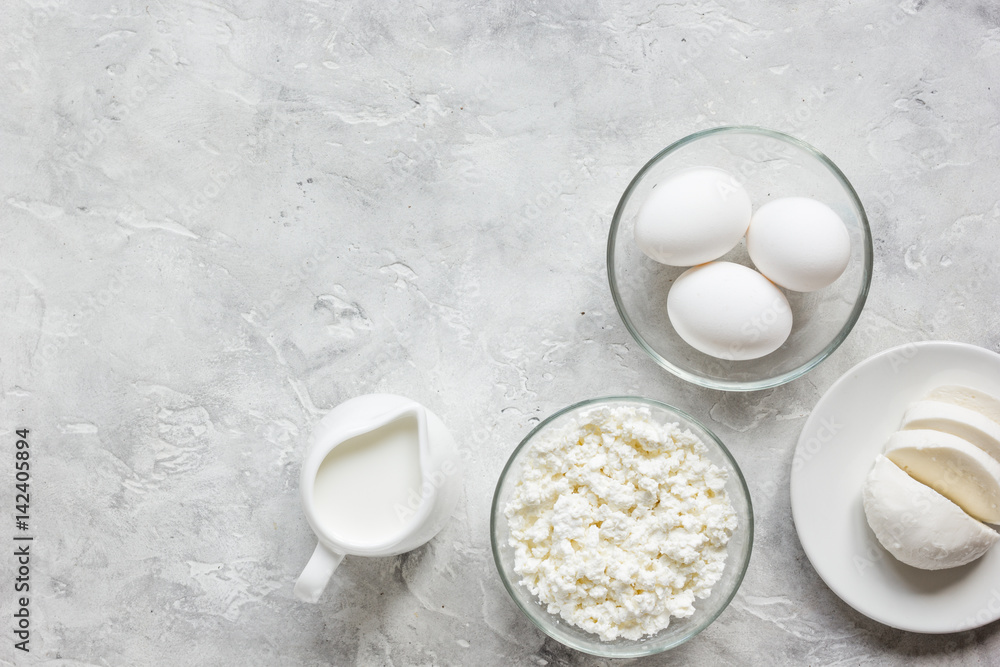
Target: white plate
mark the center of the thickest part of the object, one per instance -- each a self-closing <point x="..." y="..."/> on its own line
<point x="836" y="450"/>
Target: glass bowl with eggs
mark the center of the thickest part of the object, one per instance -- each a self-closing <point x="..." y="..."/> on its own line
<point x="739" y="258"/>
<point x="621" y="527"/>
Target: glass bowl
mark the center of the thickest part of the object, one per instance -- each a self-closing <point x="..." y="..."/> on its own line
<point x="770" y="165"/>
<point x="680" y="629"/>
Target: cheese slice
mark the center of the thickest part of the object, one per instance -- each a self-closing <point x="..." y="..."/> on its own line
<point x="959" y="471"/>
<point x="918" y="525"/>
<point x="966" y="397"/>
<point x="966" y="423"/>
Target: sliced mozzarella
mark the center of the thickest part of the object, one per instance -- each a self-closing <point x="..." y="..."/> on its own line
<point x="966" y="397"/>
<point x="964" y="422"/>
<point x="959" y="471"/>
<point x="918" y="525"/>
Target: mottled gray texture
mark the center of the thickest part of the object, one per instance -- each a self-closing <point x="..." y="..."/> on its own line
<point x="220" y="219"/>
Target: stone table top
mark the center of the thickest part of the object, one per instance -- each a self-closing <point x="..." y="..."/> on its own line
<point x="222" y="219"/>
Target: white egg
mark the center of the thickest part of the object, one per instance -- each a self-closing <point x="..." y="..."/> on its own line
<point x="729" y="311"/>
<point x="693" y="217"/>
<point x="799" y="243"/>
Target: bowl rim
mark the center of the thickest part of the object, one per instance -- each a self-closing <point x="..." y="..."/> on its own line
<point x="781" y="378"/>
<point x="742" y="484"/>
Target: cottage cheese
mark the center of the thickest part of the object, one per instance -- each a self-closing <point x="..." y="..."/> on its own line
<point x="619" y="522"/>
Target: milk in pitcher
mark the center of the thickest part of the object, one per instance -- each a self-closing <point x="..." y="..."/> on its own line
<point x="364" y="481"/>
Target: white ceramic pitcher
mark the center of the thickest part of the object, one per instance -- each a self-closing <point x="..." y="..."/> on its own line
<point x="426" y="511"/>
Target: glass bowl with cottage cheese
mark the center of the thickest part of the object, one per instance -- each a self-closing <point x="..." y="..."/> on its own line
<point x="621" y="527"/>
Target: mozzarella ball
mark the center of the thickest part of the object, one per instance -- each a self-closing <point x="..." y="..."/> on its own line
<point x="693" y="217"/>
<point x="729" y="311"/>
<point x="799" y="243"/>
<point x="919" y="526"/>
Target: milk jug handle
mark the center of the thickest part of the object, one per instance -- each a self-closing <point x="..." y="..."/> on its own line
<point x="318" y="571"/>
